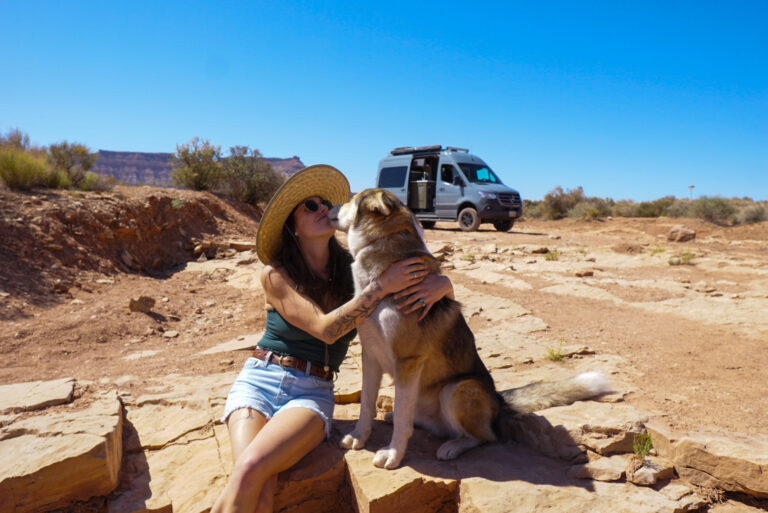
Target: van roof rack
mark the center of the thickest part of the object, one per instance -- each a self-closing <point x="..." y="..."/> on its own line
<point x="405" y="150"/>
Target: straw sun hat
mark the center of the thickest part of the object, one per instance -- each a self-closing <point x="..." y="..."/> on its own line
<point x="318" y="180"/>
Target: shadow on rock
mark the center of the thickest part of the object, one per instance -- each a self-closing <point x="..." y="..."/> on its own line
<point x="502" y="461"/>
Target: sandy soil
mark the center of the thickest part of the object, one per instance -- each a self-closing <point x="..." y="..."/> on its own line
<point x="691" y="339"/>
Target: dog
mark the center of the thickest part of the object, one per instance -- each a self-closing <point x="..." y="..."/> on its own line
<point x="441" y="383"/>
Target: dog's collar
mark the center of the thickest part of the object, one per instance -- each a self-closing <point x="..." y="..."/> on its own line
<point x="404" y="229"/>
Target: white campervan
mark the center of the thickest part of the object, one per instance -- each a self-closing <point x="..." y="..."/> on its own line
<point x="449" y="184"/>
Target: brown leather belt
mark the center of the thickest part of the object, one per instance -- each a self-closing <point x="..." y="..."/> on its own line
<point x="289" y="362"/>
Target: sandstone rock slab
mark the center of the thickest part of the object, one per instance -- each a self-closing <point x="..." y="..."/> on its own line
<point x="566" y="431"/>
<point x="247" y="342"/>
<point x="609" y="468"/>
<point x="181" y="477"/>
<point x="35" y="395"/>
<point x="40" y="455"/>
<point x="736" y="463"/>
<point x="512" y="477"/>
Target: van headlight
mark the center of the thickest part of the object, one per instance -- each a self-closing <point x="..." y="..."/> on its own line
<point x="489" y="195"/>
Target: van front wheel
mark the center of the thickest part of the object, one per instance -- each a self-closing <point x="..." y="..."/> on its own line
<point x="469" y="220"/>
<point x="503" y="226"/>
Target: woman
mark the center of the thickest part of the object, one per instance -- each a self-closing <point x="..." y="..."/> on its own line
<point x="281" y="405"/>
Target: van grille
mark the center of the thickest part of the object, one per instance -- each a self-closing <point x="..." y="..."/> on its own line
<point x="509" y="199"/>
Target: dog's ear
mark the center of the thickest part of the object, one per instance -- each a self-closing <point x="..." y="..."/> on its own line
<point x="380" y="202"/>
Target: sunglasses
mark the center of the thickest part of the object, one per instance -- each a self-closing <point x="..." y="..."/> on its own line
<point x="313" y="206"/>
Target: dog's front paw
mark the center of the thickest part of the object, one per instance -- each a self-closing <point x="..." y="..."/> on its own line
<point x="387" y="458"/>
<point x="353" y="441"/>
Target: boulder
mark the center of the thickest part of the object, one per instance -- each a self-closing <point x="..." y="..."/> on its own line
<point x="680" y="233"/>
<point x="50" y="461"/>
<point x="738" y="463"/>
<point x="141" y="304"/>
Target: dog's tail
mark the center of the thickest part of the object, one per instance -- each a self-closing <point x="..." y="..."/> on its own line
<point x="546" y="394"/>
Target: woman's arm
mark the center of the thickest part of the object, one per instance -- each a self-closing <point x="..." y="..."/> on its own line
<point x="306" y="315"/>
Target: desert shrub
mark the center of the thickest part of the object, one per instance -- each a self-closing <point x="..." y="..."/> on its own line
<point x="196" y="165"/>
<point x="73" y="159"/>
<point x="97" y="182"/>
<point x="532" y="209"/>
<point x="23" y="170"/>
<point x="623" y="208"/>
<point x="680" y="208"/>
<point x="656" y="208"/>
<point x="752" y="214"/>
<point x="557" y="202"/>
<point x="590" y="209"/>
<point x="248" y="177"/>
<point x="16" y="139"/>
<point x="57" y="179"/>
<point x="716" y="210"/>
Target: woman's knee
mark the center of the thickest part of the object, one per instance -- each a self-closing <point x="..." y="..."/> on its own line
<point x="252" y="469"/>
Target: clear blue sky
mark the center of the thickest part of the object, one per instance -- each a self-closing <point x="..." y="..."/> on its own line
<point x="632" y="100"/>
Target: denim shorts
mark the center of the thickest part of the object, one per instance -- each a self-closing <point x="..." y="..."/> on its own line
<point x="269" y="388"/>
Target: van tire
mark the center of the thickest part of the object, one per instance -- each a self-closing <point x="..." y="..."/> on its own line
<point x="503" y="225"/>
<point x="469" y="220"/>
<point x="427" y="224"/>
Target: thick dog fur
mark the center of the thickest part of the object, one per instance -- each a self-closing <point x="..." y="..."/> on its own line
<point x="441" y="383"/>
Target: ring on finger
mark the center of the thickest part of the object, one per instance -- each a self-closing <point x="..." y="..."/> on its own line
<point x="422" y="303"/>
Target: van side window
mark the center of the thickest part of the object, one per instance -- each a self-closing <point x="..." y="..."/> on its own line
<point x="446" y="173"/>
<point x="392" y="177"/>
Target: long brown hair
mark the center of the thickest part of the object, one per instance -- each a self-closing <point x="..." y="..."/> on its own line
<point x="327" y="293"/>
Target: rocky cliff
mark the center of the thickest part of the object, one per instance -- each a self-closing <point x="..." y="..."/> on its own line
<point x="137" y="168"/>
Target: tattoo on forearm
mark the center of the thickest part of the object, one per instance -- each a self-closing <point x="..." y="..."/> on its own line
<point x="346" y="320"/>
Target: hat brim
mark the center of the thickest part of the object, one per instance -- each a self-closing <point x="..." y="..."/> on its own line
<point x="318" y="180"/>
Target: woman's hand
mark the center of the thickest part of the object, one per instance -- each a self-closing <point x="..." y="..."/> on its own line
<point x="402" y="274"/>
<point x="424" y="294"/>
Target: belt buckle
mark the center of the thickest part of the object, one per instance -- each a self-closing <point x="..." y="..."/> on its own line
<point x="280" y="361"/>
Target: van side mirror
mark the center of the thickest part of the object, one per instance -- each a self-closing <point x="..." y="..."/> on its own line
<point x="458" y="181"/>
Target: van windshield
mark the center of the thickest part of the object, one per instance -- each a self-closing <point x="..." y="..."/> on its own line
<point x="479" y="173"/>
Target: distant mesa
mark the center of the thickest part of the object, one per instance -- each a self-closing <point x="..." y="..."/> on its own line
<point x="136" y="168"/>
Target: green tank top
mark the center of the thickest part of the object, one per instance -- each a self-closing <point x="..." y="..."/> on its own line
<point x="283" y="338"/>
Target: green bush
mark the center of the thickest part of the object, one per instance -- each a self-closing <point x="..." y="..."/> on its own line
<point x="532" y="209"/>
<point x="97" y="182"/>
<point x="197" y="165"/>
<point x="656" y="208"/>
<point x="680" y="208"/>
<point x="715" y="210"/>
<point x="248" y="177"/>
<point x="590" y="209"/>
<point x="557" y="203"/>
<point x="752" y="214"/>
<point x="23" y="170"/>
<point x="73" y="159"/>
<point x="58" y="179"/>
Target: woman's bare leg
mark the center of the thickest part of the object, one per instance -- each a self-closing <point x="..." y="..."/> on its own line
<point x="244" y="424"/>
<point x="278" y="445"/>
